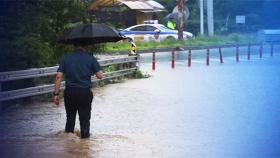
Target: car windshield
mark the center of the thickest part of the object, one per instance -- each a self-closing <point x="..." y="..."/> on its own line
<point x="162" y="27"/>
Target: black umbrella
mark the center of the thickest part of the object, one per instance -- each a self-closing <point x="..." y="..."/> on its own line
<point x="90" y="34"/>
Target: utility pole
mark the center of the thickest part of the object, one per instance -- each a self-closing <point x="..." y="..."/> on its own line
<point x="201" y="17"/>
<point x="210" y="18"/>
<point x="180" y="4"/>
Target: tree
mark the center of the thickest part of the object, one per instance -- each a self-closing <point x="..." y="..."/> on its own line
<point x="226" y="10"/>
<point x="32" y="29"/>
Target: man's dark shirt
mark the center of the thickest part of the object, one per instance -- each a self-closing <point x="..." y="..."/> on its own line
<point x="78" y="68"/>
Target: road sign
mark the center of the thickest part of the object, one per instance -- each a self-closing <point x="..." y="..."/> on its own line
<point x="240" y="19"/>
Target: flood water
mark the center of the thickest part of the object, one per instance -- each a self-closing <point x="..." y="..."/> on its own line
<point x="222" y="110"/>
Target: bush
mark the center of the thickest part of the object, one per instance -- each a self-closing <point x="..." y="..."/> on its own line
<point x="139" y="74"/>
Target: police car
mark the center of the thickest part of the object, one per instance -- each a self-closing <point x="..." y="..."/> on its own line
<point x="157" y="32"/>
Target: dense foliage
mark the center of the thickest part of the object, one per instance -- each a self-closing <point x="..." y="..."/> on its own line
<point x="32" y="28"/>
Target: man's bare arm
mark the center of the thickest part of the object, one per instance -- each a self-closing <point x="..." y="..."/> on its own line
<point x="58" y="79"/>
<point x="57" y="83"/>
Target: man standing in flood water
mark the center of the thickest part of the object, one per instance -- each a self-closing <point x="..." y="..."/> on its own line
<point x="78" y="67"/>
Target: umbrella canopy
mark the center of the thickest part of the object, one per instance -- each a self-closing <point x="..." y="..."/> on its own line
<point x="90" y="34"/>
<point x="172" y="16"/>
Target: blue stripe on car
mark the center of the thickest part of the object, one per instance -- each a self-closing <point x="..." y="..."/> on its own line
<point x="144" y="32"/>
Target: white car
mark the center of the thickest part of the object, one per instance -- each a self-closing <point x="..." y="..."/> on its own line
<point x="157" y="32"/>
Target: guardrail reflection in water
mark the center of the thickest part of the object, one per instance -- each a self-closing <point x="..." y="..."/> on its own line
<point x="130" y="67"/>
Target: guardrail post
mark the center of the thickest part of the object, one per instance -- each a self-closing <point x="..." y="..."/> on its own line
<point x="136" y="61"/>
<point x="190" y="58"/>
<point x="271" y="50"/>
<point x="249" y="52"/>
<point x="237" y="54"/>
<point x="207" y="56"/>
<point x="221" y="56"/>
<point x="173" y="60"/>
<point x="137" y="65"/>
<point x="261" y="50"/>
<point x="154" y="61"/>
<point x="122" y="66"/>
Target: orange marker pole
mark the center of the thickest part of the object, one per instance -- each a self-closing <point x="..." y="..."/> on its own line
<point x="154" y="61"/>
<point x="261" y="50"/>
<point x="207" y="56"/>
<point x="271" y="50"/>
<point x="190" y="58"/>
<point x="237" y="54"/>
<point x="221" y="56"/>
<point x="173" y="60"/>
<point x="249" y="52"/>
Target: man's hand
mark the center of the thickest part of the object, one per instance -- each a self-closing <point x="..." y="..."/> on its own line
<point x="56" y="100"/>
<point x="99" y="74"/>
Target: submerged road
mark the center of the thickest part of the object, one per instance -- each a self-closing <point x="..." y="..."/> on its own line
<point x="223" y="110"/>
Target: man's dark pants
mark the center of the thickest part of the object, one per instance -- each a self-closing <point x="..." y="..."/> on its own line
<point x="78" y="99"/>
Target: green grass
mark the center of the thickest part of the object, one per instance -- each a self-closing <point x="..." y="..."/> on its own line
<point x="198" y="41"/>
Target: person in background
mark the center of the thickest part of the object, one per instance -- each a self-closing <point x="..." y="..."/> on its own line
<point x="77" y="67"/>
<point x="171" y="24"/>
<point x="132" y="48"/>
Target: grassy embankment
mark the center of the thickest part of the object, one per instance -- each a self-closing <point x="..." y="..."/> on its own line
<point x="198" y="41"/>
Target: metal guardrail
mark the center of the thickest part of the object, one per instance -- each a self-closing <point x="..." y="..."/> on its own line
<point x="39" y="72"/>
<point x="48" y="71"/>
